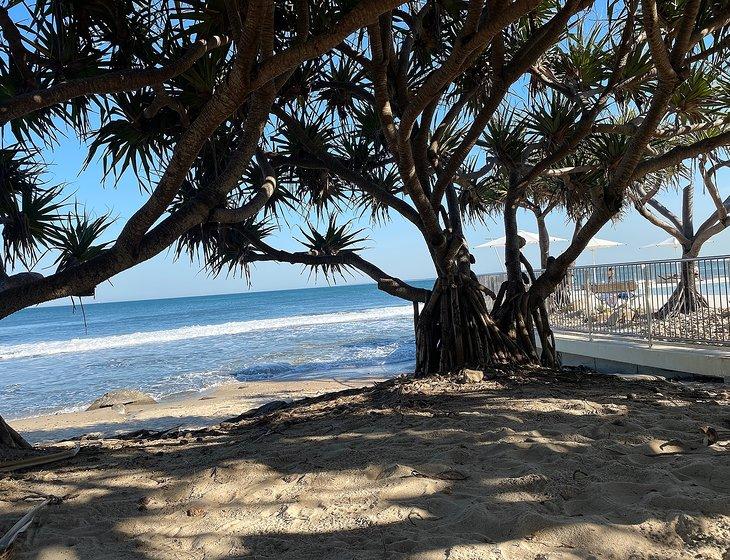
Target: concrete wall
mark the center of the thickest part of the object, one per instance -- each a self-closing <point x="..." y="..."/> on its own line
<point x="629" y="357"/>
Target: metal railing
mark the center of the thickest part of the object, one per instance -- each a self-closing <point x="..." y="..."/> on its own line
<point x="670" y="300"/>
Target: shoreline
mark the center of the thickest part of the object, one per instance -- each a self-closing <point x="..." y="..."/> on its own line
<point x="189" y="409"/>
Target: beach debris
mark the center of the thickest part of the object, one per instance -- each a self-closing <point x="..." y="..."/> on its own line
<point x="123" y="397"/>
<point x="262" y="410"/>
<point x="9" y="538"/>
<point x="12" y="466"/>
<point x="710" y="435"/>
<point x="145" y="433"/>
<point x="196" y="512"/>
<point x="471" y="376"/>
<point x="449" y="474"/>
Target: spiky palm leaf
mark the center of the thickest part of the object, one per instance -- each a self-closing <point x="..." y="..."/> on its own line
<point x="334" y="240"/>
<point x="504" y="137"/>
<point x="130" y="139"/>
<point x="313" y="184"/>
<point x="77" y="239"/>
<point x="30" y="220"/>
<point x="228" y="248"/>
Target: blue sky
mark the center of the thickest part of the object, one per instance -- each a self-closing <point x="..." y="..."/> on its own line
<point x="397" y="247"/>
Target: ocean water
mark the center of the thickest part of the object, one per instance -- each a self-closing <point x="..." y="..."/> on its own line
<point x="49" y="362"/>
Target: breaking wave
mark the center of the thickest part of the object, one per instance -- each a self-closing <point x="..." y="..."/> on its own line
<point x="76" y="345"/>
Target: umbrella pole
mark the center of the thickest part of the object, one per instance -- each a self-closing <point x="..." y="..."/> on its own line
<point x="501" y="264"/>
<point x="593" y="252"/>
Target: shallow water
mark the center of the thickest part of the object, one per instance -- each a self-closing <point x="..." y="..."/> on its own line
<point x="49" y="362"/>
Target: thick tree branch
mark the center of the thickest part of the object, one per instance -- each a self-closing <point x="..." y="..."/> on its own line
<point x="677" y="155"/>
<point x="670" y="229"/>
<point x="387" y="283"/>
<point x="113" y="82"/>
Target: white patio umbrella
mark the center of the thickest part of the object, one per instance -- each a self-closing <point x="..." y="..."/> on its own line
<point x="529" y="237"/>
<point x="671" y="242"/>
<point x="596" y="243"/>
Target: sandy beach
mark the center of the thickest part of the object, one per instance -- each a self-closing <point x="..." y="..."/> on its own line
<point x="188" y="411"/>
<point x="512" y="467"/>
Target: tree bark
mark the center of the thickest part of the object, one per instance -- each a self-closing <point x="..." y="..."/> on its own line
<point x="686" y="297"/>
<point x="544" y="238"/>
<point x="454" y="330"/>
<point x="10" y="439"/>
<point x="519" y="312"/>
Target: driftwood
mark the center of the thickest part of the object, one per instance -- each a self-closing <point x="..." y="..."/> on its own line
<point x="40" y="460"/>
<point x="9" y="538"/>
<point x="149" y="434"/>
<point x="449" y="474"/>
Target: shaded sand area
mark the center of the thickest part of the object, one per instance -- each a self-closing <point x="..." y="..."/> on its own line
<point x="188" y="410"/>
<point x="542" y="467"/>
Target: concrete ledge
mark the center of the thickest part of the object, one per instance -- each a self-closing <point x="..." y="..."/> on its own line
<point x="612" y="355"/>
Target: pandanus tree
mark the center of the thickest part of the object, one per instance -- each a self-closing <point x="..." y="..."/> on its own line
<point x="686" y="297"/>
<point x="436" y="98"/>
<point x="178" y="92"/>
<point x="614" y="108"/>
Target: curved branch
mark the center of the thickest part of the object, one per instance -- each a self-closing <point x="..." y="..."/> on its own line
<point x="256" y="203"/>
<point x="721" y="209"/>
<point x="112" y="82"/>
<point x="666" y="212"/>
<point x="673" y="231"/>
<point x="386" y="283"/>
<point x="677" y="155"/>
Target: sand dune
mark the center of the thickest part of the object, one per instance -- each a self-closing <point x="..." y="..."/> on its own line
<point x="591" y="467"/>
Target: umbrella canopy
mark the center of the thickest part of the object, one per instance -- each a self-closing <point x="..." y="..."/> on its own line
<point x="529" y="237"/>
<point x="597" y="243"/>
<point x="670" y="242"/>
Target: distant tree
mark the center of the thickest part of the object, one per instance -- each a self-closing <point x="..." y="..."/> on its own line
<point x="178" y="92"/>
<point x="686" y="298"/>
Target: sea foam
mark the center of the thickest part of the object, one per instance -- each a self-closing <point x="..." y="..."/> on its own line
<point x="76" y="345"/>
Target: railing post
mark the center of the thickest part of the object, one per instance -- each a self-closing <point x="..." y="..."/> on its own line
<point x="589" y="300"/>
<point x="647" y="303"/>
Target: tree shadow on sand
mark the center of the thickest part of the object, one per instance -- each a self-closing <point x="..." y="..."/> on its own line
<point x="509" y="468"/>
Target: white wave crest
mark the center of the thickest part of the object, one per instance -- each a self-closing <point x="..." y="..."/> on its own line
<point x="76" y="345"/>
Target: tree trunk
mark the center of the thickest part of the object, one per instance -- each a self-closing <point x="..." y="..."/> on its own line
<point x="454" y="330"/>
<point x="520" y="312"/>
<point x="544" y="238"/>
<point x="686" y="297"/>
<point x="10" y="439"/>
<point x="522" y="315"/>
